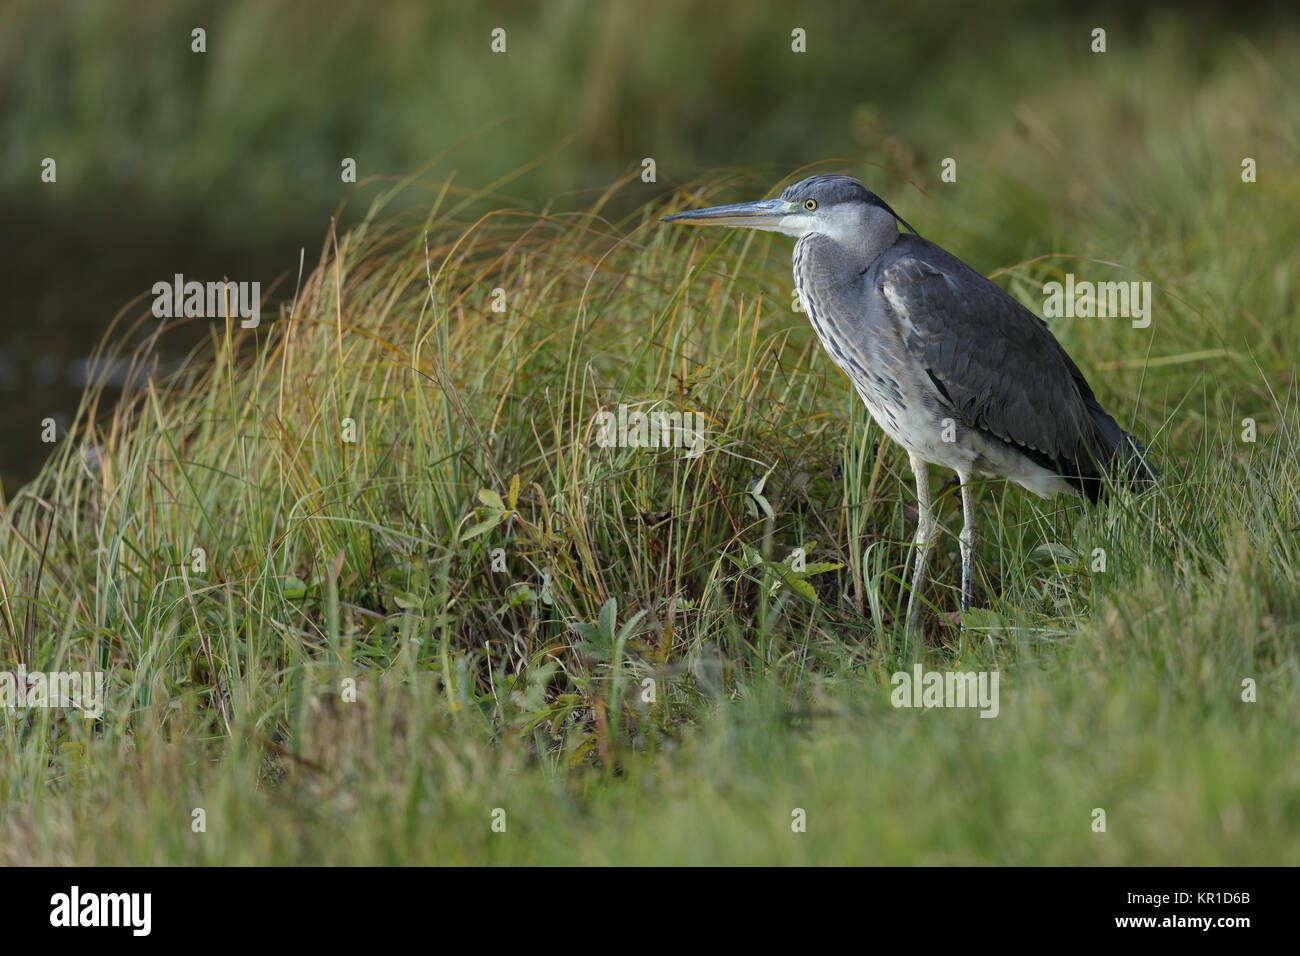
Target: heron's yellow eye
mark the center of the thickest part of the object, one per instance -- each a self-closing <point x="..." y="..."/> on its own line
<point x="810" y="204"/>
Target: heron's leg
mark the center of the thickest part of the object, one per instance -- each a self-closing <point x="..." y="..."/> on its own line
<point x="924" y="536"/>
<point x="967" y="537"/>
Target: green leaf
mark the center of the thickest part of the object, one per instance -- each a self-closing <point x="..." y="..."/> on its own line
<point x="982" y="619"/>
<point x="491" y="499"/>
<point x="406" y="600"/>
<point x="801" y="587"/>
<point x="754" y="497"/>
<point x="608" y="614"/>
<point x="626" y="629"/>
<point x="591" y="650"/>
<point x="1052" y="552"/>
<point x="486" y="525"/>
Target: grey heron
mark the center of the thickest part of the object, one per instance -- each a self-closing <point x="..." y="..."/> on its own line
<point x="950" y="366"/>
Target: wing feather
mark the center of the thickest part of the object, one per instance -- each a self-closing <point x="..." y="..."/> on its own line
<point x="995" y="363"/>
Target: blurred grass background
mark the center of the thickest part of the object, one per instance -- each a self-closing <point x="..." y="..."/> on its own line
<point x="328" y="561"/>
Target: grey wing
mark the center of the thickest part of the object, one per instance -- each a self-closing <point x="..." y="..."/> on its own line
<point x="991" y="360"/>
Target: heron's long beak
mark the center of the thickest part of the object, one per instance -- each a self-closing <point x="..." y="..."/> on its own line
<point x="764" y="214"/>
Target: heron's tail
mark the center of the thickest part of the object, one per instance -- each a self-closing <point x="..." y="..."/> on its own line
<point x="1124" y="457"/>
<point x="1133" y="463"/>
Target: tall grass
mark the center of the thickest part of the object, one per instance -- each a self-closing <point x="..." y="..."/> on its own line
<point x="650" y="678"/>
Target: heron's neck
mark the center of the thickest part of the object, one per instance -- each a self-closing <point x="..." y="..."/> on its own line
<point x="826" y="274"/>
<point x="854" y="237"/>
<point x="822" y="262"/>
<point x="879" y="231"/>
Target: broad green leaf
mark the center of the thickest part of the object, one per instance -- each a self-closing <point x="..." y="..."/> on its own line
<point x="406" y="600"/>
<point x="485" y="525"/>
<point x="801" y="587"/>
<point x="608" y="613"/>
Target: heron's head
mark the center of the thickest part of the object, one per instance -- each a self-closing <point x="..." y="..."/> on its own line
<point x="834" y="206"/>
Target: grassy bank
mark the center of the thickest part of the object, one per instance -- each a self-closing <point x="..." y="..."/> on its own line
<point x="332" y="568"/>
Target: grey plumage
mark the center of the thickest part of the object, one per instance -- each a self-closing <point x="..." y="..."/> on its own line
<point x="949" y="365"/>
<point x="998" y="367"/>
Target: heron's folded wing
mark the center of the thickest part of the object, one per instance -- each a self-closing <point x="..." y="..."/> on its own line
<point x="994" y="362"/>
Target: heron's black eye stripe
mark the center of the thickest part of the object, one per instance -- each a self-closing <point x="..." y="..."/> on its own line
<point x="810" y="204"/>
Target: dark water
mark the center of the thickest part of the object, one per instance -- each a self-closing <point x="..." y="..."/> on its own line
<point x="66" y="273"/>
